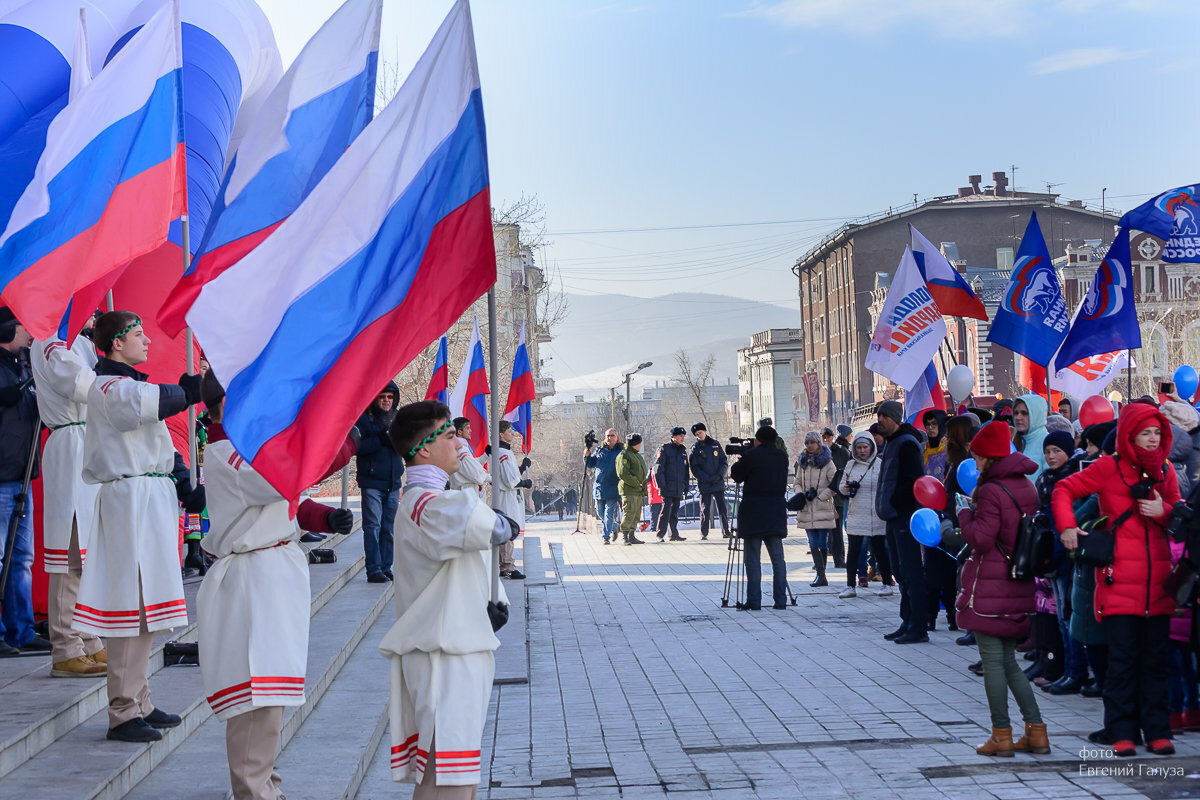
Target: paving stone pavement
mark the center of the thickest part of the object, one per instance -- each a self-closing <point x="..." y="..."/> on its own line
<point x="641" y="685"/>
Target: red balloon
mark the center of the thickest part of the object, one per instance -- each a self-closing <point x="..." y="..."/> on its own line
<point x="1095" y="410"/>
<point x="930" y="493"/>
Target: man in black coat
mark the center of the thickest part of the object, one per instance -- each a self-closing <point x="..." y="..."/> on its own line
<point x="671" y="475"/>
<point x="900" y="467"/>
<point x="379" y="472"/>
<point x="709" y="465"/>
<point x="839" y="448"/>
<point x="762" y="515"/>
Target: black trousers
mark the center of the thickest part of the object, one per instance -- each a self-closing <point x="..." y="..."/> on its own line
<point x="837" y="547"/>
<point x="706" y="510"/>
<point x="878" y="546"/>
<point x="905" y="552"/>
<point x="1135" y="687"/>
<point x="941" y="581"/>
<point x="669" y="517"/>
<point x="752" y="557"/>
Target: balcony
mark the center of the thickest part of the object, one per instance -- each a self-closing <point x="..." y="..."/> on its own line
<point x="543" y="387"/>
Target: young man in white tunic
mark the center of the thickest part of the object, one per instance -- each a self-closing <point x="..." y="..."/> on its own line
<point x="471" y="471"/>
<point x="442" y="644"/>
<point x="507" y="495"/>
<point x="63" y="376"/>
<point x="253" y="607"/>
<point x="131" y="584"/>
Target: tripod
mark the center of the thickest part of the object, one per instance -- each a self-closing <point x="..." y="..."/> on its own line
<point x="735" y="564"/>
<point x="579" y="508"/>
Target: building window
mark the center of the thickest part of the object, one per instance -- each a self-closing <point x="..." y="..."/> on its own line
<point x="1158" y="351"/>
<point x="1149" y="279"/>
<point x="797" y="368"/>
<point x="1004" y="258"/>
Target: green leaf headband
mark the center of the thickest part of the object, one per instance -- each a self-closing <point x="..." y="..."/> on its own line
<point x="128" y="328"/>
<point x="430" y="439"/>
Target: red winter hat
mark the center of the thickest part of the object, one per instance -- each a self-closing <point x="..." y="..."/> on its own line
<point x="992" y="441"/>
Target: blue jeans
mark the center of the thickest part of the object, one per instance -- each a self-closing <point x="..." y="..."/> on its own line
<point x="1074" y="656"/>
<point x="818" y="538"/>
<point x="16" y="623"/>
<point x="609" y="511"/>
<point x="379" y="515"/>
<point x="1181" y="683"/>
<point x="752" y="556"/>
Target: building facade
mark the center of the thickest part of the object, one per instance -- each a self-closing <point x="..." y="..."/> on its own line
<point x="771" y="382"/>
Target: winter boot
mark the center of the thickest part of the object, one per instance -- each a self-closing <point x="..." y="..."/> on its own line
<point x="819" y="557"/>
<point x="1034" y="740"/>
<point x="1000" y="744"/>
<point x="631" y="539"/>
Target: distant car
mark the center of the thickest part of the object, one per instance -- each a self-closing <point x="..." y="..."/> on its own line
<point x="689" y="508"/>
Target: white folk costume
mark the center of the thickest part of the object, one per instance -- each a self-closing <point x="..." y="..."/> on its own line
<point x="63" y="375"/>
<point x="471" y="473"/>
<point x="129" y="453"/>
<point x="253" y="606"/>
<point x="441" y="647"/>
<point x="508" y="499"/>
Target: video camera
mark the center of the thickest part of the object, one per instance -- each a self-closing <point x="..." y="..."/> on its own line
<point x="737" y="447"/>
<point x="589" y="439"/>
<point x="1177" y="526"/>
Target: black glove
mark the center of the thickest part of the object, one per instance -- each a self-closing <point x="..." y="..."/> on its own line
<point x="498" y="614"/>
<point x="193" y="500"/>
<point x="340" y="520"/>
<point x="384" y="440"/>
<point x="488" y="449"/>
<point x="513" y="527"/>
<point x="811" y="494"/>
<point x="10" y="395"/>
<point x="525" y="462"/>
<point x="796" y="502"/>
<point x="527" y="483"/>
<point x="355" y="436"/>
<point x="191" y="388"/>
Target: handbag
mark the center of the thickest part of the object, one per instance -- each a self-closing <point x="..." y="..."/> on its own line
<point x="1098" y="547"/>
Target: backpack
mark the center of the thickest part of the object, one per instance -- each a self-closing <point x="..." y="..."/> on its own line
<point x="1033" y="552"/>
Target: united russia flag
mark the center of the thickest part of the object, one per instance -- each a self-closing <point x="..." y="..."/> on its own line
<point x="386" y="252"/>
<point x="519" y="408"/>
<point x="108" y="184"/>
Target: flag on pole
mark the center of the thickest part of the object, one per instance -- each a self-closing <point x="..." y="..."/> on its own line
<point x="519" y="408"/>
<point x="439" y="381"/>
<point x="1032" y="318"/>
<point x="382" y="257"/>
<point x="1092" y="375"/>
<point x="910" y="327"/>
<point x="469" y="398"/>
<point x="925" y="394"/>
<point x="1173" y="216"/>
<point x="312" y="115"/>
<point x="949" y="289"/>
<point x="108" y="184"/>
<point x="1107" y="318"/>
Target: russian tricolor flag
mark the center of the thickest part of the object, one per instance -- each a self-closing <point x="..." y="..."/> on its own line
<point x="926" y="394"/>
<point x="469" y="398"/>
<point x="519" y="408"/>
<point x="384" y="255"/>
<point x="313" y="114"/>
<point x="950" y="291"/>
<point x="439" y="381"/>
<point x="108" y="184"/>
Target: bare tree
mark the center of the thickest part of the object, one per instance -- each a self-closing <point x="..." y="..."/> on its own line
<point x="695" y="376"/>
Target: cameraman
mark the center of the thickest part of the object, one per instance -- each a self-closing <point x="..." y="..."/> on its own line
<point x="606" y="486"/>
<point x="762" y="514"/>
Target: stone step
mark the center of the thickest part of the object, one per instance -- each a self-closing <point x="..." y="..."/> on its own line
<point x="36" y="710"/>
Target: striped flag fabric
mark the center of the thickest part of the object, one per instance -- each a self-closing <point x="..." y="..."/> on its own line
<point x="384" y="255"/>
<point x="519" y="408"/>
<point x="949" y="289"/>
<point x="439" y="381"/>
<point x="109" y="182"/>
<point x="469" y="398"/>
<point x="925" y="394"/>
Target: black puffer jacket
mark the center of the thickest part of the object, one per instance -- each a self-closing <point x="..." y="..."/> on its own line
<point x="379" y="465"/>
<point x="18" y="418"/>
<point x="671" y="470"/>
<point x="901" y="466"/>
<point x="709" y="464"/>
<point x="763" y="472"/>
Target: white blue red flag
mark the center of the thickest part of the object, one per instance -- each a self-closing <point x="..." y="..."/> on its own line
<point x="1173" y="216"/>
<point x="317" y="109"/>
<point x="949" y="289"/>
<point x="471" y="390"/>
<point x="926" y="394"/>
<point x="519" y="408"/>
<point x="109" y="182"/>
<point x="439" y="381"/>
<point x="384" y="255"/>
<point x="1107" y="317"/>
<point x="910" y="327"/>
<point x="1092" y="375"/>
<point x="1032" y="318"/>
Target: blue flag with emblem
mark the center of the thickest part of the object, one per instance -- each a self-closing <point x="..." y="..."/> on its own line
<point x="1107" y="317"/>
<point x="1032" y="318"/>
<point x="1173" y="216"/>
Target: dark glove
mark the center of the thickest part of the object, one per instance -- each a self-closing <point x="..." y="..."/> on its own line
<point x="488" y="449"/>
<point x="10" y="396"/>
<point x="527" y="483"/>
<point x="498" y="614"/>
<point x="193" y="500"/>
<point x="340" y="520"/>
<point x="811" y="494"/>
<point x="796" y="502"/>
<point x="513" y="527"/>
<point x="355" y="436"/>
<point x="525" y="462"/>
<point x="191" y="388"/>
<point x="384" y="440"/>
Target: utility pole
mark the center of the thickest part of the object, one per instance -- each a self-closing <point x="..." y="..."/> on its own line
<point x="1013" y="167"/>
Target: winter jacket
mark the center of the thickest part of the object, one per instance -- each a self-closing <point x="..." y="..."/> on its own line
<point x="860" y="516"/>
<point x="655" y="495"/>
<point x="899" y="469"/>
<point x="671" y="470"/>
<point x="841" y="457"/>
<point x="762" y="512"/>
<point x="989" y="602"/>
<point x="1181" y="455"/>
<point x="18" y="419"/>
<point x="816" y="471"/>
<point x="1036" y="434"/>
<point x="936" y="456"/>
<point x="1133" y="584"/>
<point x="378" y="465"/>
<point x="631" y="472"/>
<point x="604" y="461"/>
<point x="709" y="465"/>
<point x="1084" y="626"/>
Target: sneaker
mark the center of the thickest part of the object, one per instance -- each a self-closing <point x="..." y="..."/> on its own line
<point x="387" y="573"/>
<point x="515" y="575"/>
<point x="7" y="650"/>
<point x="704" y="537"/>
<point x="847" y="592"/>
<point x="678" y="538"/>
<point x="966" y="640"/>
<point x="1125" y="748"/>
<point x="309" y="537"/>
<point x="379" y="577"/>
<point x="885" y="590"/>
<point x="78" y="667"/>
<point x="161" y="719"/>
<point x="1160" y="747"/>
<point x="100" y="656"/>
<point x="911" y="638"/>
<point x="37" y="644"/>
<point x="606" y="541"/>
<point x="134" y="730"/>
<point x="661" y="540"/>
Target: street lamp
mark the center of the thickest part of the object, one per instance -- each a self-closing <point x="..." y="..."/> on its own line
<point x="629" y="375"/>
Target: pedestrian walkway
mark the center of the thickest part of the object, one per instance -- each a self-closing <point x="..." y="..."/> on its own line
<point x="640" y="685"/>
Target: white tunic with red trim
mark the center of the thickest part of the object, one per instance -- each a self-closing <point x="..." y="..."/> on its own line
<point x="253" y="606"/>
<point x="137" y="516"/>
<point x="505" y="494"/>
<point x="441" y="645"/>
<point x="63" y="375"/>
<point x="471" y="472"/>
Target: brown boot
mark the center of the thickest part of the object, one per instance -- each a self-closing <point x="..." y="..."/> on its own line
<point x="1034" y="740"/>
<point x="1001" y="744"/>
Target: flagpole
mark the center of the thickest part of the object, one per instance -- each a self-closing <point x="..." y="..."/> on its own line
<point x="493" y="424"/>
<point x="1129" y="374"/>
<point x="194" y="468"/>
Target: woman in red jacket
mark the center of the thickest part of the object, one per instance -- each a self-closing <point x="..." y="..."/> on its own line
<point x="1137" y="489"/>
<point x="997" y="610"/>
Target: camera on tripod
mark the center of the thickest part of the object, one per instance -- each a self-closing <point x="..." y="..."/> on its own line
<point x="737" y="447"/>
<point x="589" y="439"/>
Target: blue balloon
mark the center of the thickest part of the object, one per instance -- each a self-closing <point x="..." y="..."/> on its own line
<point x="968" y="475"/>
<point x="926" y="527"/>
<point x="1186" y="382"/>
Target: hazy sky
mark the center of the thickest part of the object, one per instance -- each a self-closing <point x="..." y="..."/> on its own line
<point x="709" y="122"/>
